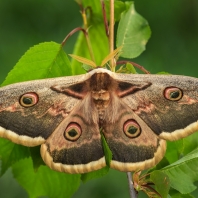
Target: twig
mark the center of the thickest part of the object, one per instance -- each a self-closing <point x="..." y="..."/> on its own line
<point x="72" y="32"/>
<point x="132" y="191"/>
<point x="105" y="18"/>
<point x="111" y="34"/>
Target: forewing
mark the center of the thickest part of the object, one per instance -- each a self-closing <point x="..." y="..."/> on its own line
<point x="170" y="119"/>
<point x="32" y="125"/>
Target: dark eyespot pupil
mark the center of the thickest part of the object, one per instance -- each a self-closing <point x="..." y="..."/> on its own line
<point x="27" y="101"/>
<point x="174" y="94"/>
<point x="132" y="130"/>
<point x="72" y="133"/>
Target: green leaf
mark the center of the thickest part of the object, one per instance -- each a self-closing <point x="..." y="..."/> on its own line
<point x="94" y="174"/>
<point x="97" y="35"/>
<point x="179" y="148"/>
<point x="44" y="60"/>
<point x="36" y="157"/>
<point x="131" y="68"/>
<point x="172" y="153"/>
<point x="95" y="7"/>
<point x="87" y="68"/>
<point x="189" y="144"/>
<point x="183" y="173"/>
<point x="163" y="72"/>
<point x="107" y="151"/>
<point x="161" y="181"/>
<point x="133" y="32"/>
<point x="11" y="153"/>
<point x="45" y="182"/>
<point x="164" y="162"/>
<point x="175" y="194"/>
<point x="178" y="195"/>
<point x="119" y="7"/>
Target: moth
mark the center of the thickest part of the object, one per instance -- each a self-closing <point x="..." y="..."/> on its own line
<point x="136" y="113"/>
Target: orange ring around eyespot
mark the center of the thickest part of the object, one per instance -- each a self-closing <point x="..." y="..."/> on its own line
<point x="134" y="124"/>
<point x="73" y="127"/>
<point x="172" y="90"/>
<point x="31" y="99"/>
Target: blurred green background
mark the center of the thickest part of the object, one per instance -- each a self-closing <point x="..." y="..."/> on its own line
<point x="173" y="48"/>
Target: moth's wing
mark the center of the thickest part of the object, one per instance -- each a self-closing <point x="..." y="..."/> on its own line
<point x="75" y="145"/>
<point x="148" y="97"/>
<point x="32" y="125"/>
<point x="132" y="152"/>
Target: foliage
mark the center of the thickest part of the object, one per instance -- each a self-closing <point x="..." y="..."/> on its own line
<point x="47" y="60"/>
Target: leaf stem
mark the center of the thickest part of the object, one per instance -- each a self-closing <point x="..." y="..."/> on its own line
<point x="105" y="18"/>
<point x="72" y="32"/>
<point x="111" y="34"/>
<point x="132" y="191"/>
<point x="152" y="189"/>
<point x="84" y="16"/>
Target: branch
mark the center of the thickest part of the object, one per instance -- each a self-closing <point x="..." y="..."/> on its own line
<point x="132" y="191"/>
